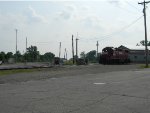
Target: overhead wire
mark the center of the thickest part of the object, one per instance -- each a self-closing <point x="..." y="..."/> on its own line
<point x="129" y="11"/>
<point x="126" y="27"/>
<point x="117" y="32"/>
<point x="132" y="6"/>
<point x="125" y="9"/>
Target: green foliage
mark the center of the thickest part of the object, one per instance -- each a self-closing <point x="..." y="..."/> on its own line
<point x="47" y="57"/>
<point x="143" y="43"/>
<point x="69" y="62"/>
<point x="18" y="56"/>
<point x="82" y="55"/>
<point x="5" y="56"/>
<point x="9" y="55"/>
<point x="32" y="54"/>
<point x="2" y="56"/>
<point x="91" y="56"/>
<point x="9" y="72"/>
<point x="144" y="66"/>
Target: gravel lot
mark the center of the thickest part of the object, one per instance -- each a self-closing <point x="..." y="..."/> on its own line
<point x="61" y="71"/>
<point x="77" y="89"/>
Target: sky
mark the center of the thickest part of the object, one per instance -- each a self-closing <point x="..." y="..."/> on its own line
<point x="47" y="23"/>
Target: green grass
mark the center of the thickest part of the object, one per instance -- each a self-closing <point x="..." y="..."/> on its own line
<point x="144" y="66"/>
<point x="14" y="71"/>
<point x="68" y="63"/>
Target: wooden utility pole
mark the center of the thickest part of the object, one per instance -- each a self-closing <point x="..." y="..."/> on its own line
<point x="26" y="49"/>
<point x="144" y="11"/>
<point x="97" y="48"/>
<point x="26" y="44"/>
<point x="65" y="54"/>
<point x="76" y="49"/>
<point x="59" y="50"/>
<point x="16" y="43"/>
<point x="72" y="50"/>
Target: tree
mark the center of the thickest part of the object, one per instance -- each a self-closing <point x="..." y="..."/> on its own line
<point x="82" y="54"/>
<point x="142" y="42"/>
<point x="18" y="56"/>
<point x="2" y="56"/>
<point x="91" y="56"/>
<point x="48" y="56"/>
<point x="32" y="54"/>
<point x="9" y="55"/>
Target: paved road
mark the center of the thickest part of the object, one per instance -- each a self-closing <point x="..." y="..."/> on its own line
<point x="74" y="91"/>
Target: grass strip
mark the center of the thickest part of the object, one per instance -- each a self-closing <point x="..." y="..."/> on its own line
<point x="15" y="71"/>
<point x="144" y="66"/>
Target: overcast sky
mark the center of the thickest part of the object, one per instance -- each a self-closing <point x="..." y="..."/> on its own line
<point x="45" y="24"/>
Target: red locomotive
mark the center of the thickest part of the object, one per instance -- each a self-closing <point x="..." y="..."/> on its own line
<point x="112" y="55"/>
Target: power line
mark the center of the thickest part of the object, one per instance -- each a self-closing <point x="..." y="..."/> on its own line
<point x="126" y="27"/>
<point x="126" y="10"/>
<point x="119" y="31"/>
<point x="132" y="6"/>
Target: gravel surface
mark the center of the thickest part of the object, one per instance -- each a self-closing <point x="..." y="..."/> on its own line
<point x="62" y="71"/>
<point x="77" y="89"/>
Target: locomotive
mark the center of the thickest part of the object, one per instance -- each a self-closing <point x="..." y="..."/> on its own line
<point x="111" y="55"/>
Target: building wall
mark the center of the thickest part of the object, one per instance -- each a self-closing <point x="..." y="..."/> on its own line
<point x="138" y="58"/>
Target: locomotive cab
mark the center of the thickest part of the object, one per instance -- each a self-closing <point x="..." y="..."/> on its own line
<point x="112" y="55"/>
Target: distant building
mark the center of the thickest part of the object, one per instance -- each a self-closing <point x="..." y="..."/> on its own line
<point x="136" y="54"/>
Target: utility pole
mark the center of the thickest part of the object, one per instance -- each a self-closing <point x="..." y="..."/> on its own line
<point x="26" y="44"/>
<point x="146" y="49"/>
<point x="77" y="49"/>
<point x="16" y="43"/>
<point x="72" y="50"/>
<point x="65" y="54"/>
<point x="26" y="49"/>
<point x="59" y="50"/>
<point x="97" y="48"/>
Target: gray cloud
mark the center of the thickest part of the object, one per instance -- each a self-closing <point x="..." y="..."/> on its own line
<point x="35" y="17"/>
<point x="67" y="13"/>
<point x="115" y="2"/>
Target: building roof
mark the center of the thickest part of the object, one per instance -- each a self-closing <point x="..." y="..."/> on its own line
<point x="123" y="47"/>
<point x="130" y="47"/>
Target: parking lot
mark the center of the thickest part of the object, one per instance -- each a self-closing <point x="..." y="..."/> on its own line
<point x="77" y="89"/>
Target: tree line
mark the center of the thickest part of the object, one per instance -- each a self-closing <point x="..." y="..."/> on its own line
<point x="32" y="55"/>
<point x="91" y="56"/>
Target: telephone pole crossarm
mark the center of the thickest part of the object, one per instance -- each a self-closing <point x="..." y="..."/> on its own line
<point x="146" y="2"/>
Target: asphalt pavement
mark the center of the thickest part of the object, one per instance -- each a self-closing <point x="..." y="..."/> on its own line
<point x="122" y="91"/>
